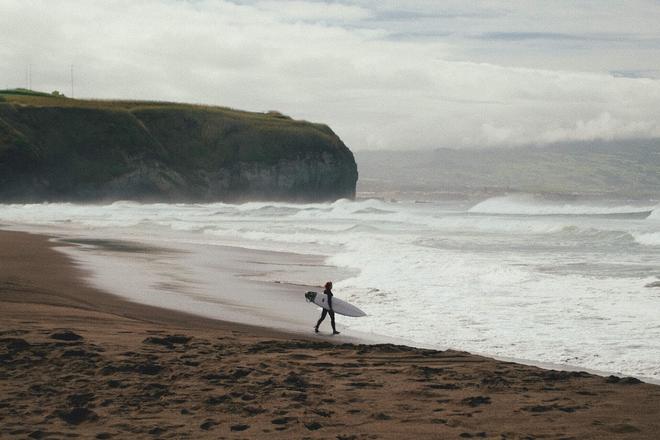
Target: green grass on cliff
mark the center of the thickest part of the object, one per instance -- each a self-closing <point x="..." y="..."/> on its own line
<point x="41" y="99"/>
<point x="26" y="92"/>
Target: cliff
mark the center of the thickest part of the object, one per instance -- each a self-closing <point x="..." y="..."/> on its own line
<point x="58" y="149"/>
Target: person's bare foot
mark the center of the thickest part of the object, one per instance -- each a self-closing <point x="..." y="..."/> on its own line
<point x="335" y="332"/>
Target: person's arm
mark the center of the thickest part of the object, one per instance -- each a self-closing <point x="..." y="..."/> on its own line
<point x="330" y="302"/>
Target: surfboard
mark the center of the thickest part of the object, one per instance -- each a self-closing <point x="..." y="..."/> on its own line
<point x="338" y="306"/>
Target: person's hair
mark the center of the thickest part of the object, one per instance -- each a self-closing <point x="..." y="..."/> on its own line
<point x="328" y="285"/>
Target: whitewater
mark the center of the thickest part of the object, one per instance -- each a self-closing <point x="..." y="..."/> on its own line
<point x="561" y="282"/>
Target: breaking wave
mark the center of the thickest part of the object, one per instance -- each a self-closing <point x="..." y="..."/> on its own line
<point x="531" y="205"/>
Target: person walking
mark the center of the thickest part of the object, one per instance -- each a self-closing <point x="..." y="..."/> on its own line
<point x="328" y="292"/>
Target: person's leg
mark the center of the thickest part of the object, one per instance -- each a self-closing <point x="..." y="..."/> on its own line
<point x="325" y="312"/>
<point x="332" y="321"/>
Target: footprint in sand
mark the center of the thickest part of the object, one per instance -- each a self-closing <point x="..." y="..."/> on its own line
<point x="240" y="427"/>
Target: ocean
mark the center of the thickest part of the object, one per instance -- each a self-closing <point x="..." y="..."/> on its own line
<point x="523" y="277"/>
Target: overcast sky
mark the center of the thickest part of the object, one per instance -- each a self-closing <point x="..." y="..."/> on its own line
<point x="383" y="74"/>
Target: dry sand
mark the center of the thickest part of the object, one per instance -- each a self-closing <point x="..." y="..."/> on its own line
<point x="76" y="362"/>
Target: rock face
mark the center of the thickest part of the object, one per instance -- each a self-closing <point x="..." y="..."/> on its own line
<point x="58" y="149"/>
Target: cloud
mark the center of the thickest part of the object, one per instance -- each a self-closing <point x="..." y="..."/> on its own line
<point x="639" y="73"/>
<point x="338" y="63"/>
<point x="522" y="36"/>
<point x="294" y="10"/>
<point x="604" y="127"/>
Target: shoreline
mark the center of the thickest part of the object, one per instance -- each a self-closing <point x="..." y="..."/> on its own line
<point x="96" y="269"/>
<point x="58" y="273"/>
<point x="80" y="361"/>
<point x="287" y="315"/>
<point x="218" y="282"/>
<point x="445" y="283"/>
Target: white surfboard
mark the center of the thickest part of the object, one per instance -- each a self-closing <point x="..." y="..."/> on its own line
<point x="338" y="306"/>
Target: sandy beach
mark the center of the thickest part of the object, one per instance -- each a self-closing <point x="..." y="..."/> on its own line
<point x="78" y="362"/>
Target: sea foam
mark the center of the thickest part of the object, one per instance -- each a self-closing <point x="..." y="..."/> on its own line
<point x="532" y="205"/>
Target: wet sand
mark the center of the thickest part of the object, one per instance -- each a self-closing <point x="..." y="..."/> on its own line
<point x="77" y="362"/>
<point x="253" y="287"/>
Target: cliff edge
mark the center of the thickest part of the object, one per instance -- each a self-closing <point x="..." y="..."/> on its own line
<point x="59" y="149"/>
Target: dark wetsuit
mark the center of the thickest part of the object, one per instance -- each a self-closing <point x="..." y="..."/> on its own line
<point x="326" y="312"/>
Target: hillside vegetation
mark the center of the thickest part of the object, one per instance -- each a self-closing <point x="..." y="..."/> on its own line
<point x="56" y="148"/>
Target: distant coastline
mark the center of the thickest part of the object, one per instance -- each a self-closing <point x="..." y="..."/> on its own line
<point x="568" y="171"/>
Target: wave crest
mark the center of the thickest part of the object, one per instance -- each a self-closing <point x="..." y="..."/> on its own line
<point x="531" y="205"/>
